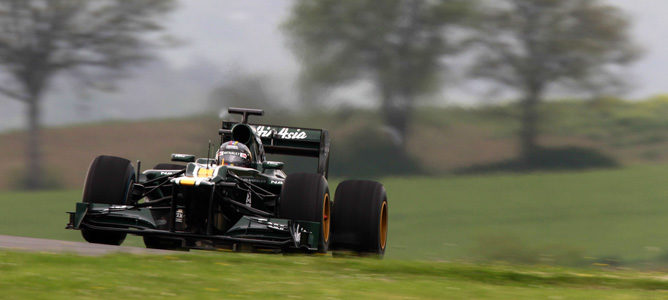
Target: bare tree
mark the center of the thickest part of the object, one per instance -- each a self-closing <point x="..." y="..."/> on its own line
<point x="42" y="39"/>
<point x="397" y="45"/>
<point x="534" y="45"/>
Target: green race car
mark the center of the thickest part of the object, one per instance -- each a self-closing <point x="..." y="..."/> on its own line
<point x="235" y="200"/>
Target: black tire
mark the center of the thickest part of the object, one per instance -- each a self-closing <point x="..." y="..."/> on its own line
<point x="360" y="215"/>
<point x="305" y="197"/>
<point x="109" y="181"/>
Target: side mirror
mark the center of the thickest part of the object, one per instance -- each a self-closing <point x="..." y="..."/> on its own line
<point x="183" y="157"/>
<point x="277" y="165"/>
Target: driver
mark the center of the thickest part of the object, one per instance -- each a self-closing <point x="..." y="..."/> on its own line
<point x="233" y="153"/>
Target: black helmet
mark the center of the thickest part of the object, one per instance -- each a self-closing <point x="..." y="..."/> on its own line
<point x="236" y="154"/>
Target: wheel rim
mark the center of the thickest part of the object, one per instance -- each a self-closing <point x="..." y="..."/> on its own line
<point x="383" y="225"/>
<point x="325" y="218"/>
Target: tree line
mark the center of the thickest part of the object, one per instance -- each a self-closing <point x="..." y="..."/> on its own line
<point x="404" y="48"/>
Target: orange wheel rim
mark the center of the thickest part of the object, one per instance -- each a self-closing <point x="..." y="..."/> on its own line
<point x="383" y="225"/>
<point x="326" y="217"/>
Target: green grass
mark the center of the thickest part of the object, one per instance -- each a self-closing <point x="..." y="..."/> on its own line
<point x="260" y="276"/>
<point x="608" y="216"/>
<point x="440" y="230"/>
<point x="42" y="215"/>
<point x="620" y="214"/>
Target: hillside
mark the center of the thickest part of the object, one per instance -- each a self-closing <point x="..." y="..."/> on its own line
<point x="69" y="150"/>
<point x="441" y="140"/>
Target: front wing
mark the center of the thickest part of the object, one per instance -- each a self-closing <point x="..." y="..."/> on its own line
<point x="272" y="233"/>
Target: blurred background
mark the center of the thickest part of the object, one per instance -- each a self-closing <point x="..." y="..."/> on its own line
<point x="527" y="131"/>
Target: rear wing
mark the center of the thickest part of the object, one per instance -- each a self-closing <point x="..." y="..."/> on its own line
<point x="294" y="141"/>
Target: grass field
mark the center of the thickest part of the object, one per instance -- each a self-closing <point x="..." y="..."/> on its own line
<point x="261" y="276"/>
<point x="497" y="236"/>
<point x="597" y="217"/>
<point x="570" y="217"/>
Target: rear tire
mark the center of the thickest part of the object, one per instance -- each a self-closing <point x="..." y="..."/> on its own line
<point x="360" y="215"/>
<point x="305" y="197"/>
<point x="109" y="181"/>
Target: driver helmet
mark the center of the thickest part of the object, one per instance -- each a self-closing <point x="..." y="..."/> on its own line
<point x="233" y="153"/>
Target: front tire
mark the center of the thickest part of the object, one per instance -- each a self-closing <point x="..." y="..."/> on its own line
<point x="360" y="217"/>
<point x="305" y="197"/>
<point x="109" y="181"/>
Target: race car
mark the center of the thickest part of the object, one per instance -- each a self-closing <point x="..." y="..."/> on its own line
<point x="235" y="199"/>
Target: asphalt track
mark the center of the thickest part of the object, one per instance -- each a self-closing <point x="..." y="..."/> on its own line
<point x="15" y="243"/>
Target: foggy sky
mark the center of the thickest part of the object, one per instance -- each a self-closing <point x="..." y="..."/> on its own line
<point x="247" y="31"/>
<point x="223" y="37"/>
